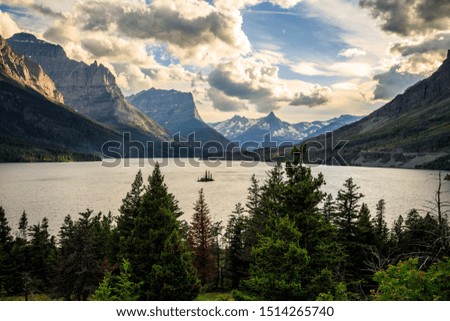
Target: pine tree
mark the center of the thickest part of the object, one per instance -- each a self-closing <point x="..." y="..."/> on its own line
<point x="253" y="198"/>
<point x="82" y="255"/>
<point x="175" y="276"/>
<point x="6" y="262"/>
<point x="329" y="208"/>
<point x="42" y="255"/>
<point x="21" y="253"/>
<point x="23" y="226"/>
<point x="217" y="253"/>
<point x="236" y="262"/>
<point x="156" y="220"/>
<point x="380" y="225"/>
<point x="128" y="213"/>
<point x="200" y="239"/>
<point x="278" y="264"/>
<point x="118" y="288"/>
<point x="347" y="208"/>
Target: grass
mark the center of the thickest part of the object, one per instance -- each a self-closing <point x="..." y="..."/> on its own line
<point x="31" y="297"/>
<point x="214" y="296"/>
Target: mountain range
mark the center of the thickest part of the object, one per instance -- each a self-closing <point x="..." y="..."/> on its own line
<point x="56" y="108"/>
<point x="412" y="130"/>
<point x="90" y="89"/>
<point x="34" y="124"/>
<point x="243" y="130"/>
<point x="177" y="113"/>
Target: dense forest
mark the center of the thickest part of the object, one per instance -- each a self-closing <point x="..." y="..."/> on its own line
<point x="290" y="241"/>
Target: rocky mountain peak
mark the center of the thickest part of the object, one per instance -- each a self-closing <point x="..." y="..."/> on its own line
<point x="90" y="89"/>
<point x="168" y="107"/>
<point x="26" y="72"/>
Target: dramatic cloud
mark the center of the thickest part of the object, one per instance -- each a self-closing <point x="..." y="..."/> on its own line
<point x="117" y="50"/>
<point x="352" y="52"/>
<point x="7" y="26"/>
<point x="438" y="42"/>
<point x="190" y="28"/>
<point x="225" y="103"/>
<point x="319" y="96"/>
<point x="251" y="80"/>
<point x="133" y="80"/>
<point x="258" y="83"/>
<point x="393" y="82"/>
<point x="406" y="17"/>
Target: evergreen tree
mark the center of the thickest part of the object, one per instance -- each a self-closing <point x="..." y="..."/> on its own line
<point x="200" y="239"/>
<point x="278" y="263"/>
<point x="329" y="208"/>
<point x="175" y="276"/>
<point x="6" y="262"/>
<point x="272" y="196"/>
<point x="155" y="221"/>
<point x="253" y="198"/>
<point x="217" y="253"/>
<point x="128" y="213"/>
<point x="5" y="231"/>
<point x="380" y="225"/>
<point x="23" y="226"/>
<point x="118" y="288"/>
<point x="21" y="253"/>
<point x="82" y="249"/>
<point x="236" y="262"/>
<point x="347" y="208"/>
<point x="42" y="255"/>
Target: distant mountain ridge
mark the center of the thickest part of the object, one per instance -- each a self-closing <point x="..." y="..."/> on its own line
<point x="35" y="127"/>
<point x="176" y="112"/>
<point x="412" y="130"/>
<point x="242" y="129"/>
<point x="89" y="89"/>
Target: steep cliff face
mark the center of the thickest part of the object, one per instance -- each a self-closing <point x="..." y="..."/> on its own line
<point x="27" y="72"/>
<point x="89" y="89"/>
<point x="176" y="111"/>
<point x="32" y="126"/>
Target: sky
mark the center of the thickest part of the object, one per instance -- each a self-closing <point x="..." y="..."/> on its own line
<point x="303" y="59"/>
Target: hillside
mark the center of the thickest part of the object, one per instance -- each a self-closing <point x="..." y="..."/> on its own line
<point x="35" y="128"/>
<point x="90" y="89"/>
<point x="412" y="130"/>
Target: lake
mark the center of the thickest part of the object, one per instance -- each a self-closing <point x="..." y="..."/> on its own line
<point x="54" y="190"/>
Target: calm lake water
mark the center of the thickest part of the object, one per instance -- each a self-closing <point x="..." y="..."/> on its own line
<point x="54" y="190"/>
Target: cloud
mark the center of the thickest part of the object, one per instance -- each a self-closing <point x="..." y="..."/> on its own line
<point x="437" y="42"/>
<point x="133" y="80"/>
<point x="8" y="26"/>
<point x="393" y="82"/>
<point x="252" y="80"/>
<point x="187" y="27"/>
<point x="407" y="17"/>
<point x="318" y="96"/>
<point x="352" y="52"/>
<point x="257" y="83"/>
<point x="344" y="69"/>
<point x="423" y="55"/>
<point x="117" y="50"/>
<point x="310" y="69"/>
<point x="225" y="103"/>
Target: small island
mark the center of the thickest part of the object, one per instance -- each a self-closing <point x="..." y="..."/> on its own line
<point x="207" y="178"/>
